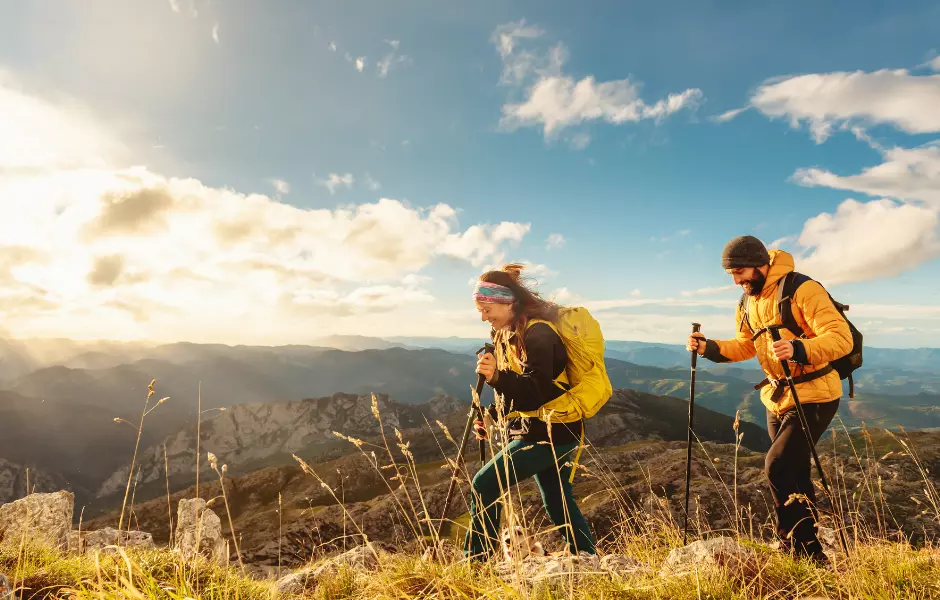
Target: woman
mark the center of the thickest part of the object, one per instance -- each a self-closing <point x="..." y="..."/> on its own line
<point x="539" y="355"/>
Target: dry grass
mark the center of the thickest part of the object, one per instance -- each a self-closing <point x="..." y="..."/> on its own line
<point x="875" y="568"/>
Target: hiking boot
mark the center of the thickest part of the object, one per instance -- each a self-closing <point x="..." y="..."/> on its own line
<point x="813" y="552"/>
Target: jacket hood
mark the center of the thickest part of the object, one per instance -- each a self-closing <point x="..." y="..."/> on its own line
<point x="781" y="263"/>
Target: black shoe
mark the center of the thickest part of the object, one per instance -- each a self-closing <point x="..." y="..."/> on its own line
<point x="813" y="552"/>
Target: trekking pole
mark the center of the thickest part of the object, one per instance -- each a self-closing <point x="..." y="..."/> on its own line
<point x="696" y="327"/>
<point x="775" y="336"/>
<point x="476" y="412"/>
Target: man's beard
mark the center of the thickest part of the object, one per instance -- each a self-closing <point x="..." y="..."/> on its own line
<point x="755" y="285"/>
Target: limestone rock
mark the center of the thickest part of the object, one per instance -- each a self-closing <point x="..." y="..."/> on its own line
<point x="6" y="589"/>
<point x="720" y="552"/>
<point x="40" y="517"/>
<point x="618" y="564"/>
<point x="199" y="531"/>
<point x="543" y="569"/>
<point x="362" y="558"/>
<point x="445" y="551"/>
<point x="90" y="541"/>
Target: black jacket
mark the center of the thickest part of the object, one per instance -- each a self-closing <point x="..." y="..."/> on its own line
<point x="546" y="358"/>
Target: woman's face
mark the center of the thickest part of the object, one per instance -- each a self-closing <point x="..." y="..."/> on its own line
<point x="498" y="315"/>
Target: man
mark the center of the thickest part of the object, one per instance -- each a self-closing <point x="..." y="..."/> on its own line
<point x="826" y="337"/>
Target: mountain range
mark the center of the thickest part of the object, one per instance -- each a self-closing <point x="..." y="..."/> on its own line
<point x="59" y="398"/>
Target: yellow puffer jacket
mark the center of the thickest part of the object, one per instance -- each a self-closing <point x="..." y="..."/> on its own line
<point x="827" y="337"/>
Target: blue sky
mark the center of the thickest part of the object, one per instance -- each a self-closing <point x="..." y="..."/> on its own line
<point x="604" y="127"/>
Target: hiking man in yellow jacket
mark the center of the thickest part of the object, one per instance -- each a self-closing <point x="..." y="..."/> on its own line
<point x="827" y="337"/>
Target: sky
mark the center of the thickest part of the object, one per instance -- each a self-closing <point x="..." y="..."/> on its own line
<point x="269" y="173"/>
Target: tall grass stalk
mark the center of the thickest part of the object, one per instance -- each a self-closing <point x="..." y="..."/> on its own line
<point x="140" y="428"/>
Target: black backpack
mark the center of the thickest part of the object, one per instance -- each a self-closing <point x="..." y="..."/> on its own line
<point x="844" y="365"/>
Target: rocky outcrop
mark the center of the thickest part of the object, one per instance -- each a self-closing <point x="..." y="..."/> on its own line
<point x="82" y="542"/>
<point x="715" y="553"/>
<point x="363" y="558"/>
<point x="45" y="518"/>
<point x="251" y="433"/>
<point x="14" y="477"/>
<point x="551" y="570"/>
<point x="199" y="531"/>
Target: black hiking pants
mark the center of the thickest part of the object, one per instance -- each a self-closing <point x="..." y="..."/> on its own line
<point x="789" y="468"/>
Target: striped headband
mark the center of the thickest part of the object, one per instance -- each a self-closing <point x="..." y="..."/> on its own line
<point x="492" y="292"/>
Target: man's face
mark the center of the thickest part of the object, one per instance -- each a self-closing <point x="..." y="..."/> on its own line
<point x="751" y="279"/>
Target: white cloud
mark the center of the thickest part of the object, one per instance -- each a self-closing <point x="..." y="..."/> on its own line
<point x="482" y="243"/>
<point x="392" y="59"/>
<point x="911" y="174"/>
<point x="563" y="296"/>
<point x="360" y="63"/>
<point x="332" y="46"/>
<point x="555" y="240"/>
<point x="863" y="241"/>
<point x="215" y="33"/>
<point x="898" y="230"/>
<point x="281" y="187"/>
<point x="668" y="238"/>
<point x="636" y="293"/>
<point x="91" y="248"/>
<point x="555" y="101"/>
<point x="39" y="135"/>
<point x="175" y="6"/>
<point x="708" y="291"/>
<point x="580" y="141"/>
<point x="559" y="102"/>
<point x="372" y="184"/>
<point x="517" y="64"/>
<point x="727" y="116"/>
<point x="335" y="180"/>
<point x="825" y="101"/>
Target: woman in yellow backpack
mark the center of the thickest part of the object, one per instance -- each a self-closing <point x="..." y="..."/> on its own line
<point x="529" y="361"/>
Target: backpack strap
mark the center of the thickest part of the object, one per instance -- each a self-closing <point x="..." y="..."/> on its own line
<point x="791" y="282"/>
<point x="744" y="304"/>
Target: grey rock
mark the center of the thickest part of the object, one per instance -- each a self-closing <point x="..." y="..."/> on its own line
<point x="90" y="541"/>
<point x="362" y="558"/>
<point x="537" y="570"/>
<point x="619" y="564"/>
<point x="714" y="553"/>
<point x="199" y="531"/>
<point x="46" y="518"/>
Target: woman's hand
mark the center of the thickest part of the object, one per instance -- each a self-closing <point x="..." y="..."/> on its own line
<point x="486" y="366"/>
<point x="481" y="428"/>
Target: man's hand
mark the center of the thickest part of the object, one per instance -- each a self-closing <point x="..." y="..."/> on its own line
<point x="486" y="366"/>
<point x="696" y="343"/>
<point x="783" y="349"/>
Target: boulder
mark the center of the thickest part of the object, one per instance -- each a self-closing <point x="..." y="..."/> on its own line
<point x="535" y="569"/>
<point x="714" y="553"/>
<point x="90" y="541"/>
<point x="362" y="558"/>
<point x="46" y="518"/>
<point x="619" y="564"/>
<point x="199" y="531"/>
<point x="445" y="551"/>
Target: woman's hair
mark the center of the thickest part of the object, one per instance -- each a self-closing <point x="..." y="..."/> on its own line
<point x="529" y="304"/>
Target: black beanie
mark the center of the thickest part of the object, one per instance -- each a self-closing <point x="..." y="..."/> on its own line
<point x="744" y="251"/>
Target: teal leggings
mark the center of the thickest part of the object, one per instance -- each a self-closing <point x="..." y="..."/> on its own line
<point x="539" y="461"/>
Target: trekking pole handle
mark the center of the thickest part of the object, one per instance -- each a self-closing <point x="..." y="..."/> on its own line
<point x="775" y="336"/>
<point x="486" y="349"/>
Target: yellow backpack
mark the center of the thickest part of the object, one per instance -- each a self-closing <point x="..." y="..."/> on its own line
<point x="585" y="378"/>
